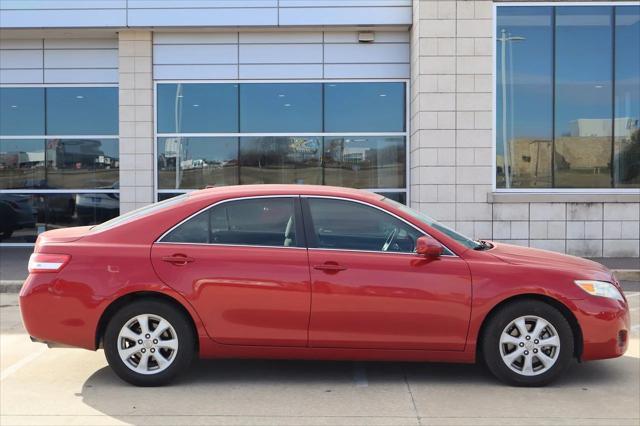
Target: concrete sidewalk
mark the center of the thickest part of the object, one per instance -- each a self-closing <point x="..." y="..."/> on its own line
<point x="13" y="267"/>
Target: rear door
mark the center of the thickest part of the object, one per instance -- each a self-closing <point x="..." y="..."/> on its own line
<point x="243" y="265"/>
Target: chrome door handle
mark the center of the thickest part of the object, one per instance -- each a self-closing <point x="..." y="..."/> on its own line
<point x="178" y="259"/>
<point x="329" y="267"/>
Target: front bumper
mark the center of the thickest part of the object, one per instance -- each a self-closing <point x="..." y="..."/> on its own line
<point x="605" y="325"/>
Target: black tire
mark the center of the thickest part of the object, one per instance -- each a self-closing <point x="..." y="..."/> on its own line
<point x="491" y="348"/>
<point x="180" y="360"/>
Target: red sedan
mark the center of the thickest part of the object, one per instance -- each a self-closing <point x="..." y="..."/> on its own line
<point x="294" y="271"/>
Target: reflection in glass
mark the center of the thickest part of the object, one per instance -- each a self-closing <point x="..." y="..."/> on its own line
<point x="23" y="217"/>
<point x="524" y="97"/>
<point x="626" y="130"/>
<point x="400" y="197"/>
<point x="583" y="108"/>
<point x="21" y="111"/>
<point x="365" y="162"/>
<point x="288" y="159"/>
<point x="22" y="164"/>
<point x="295" y="107"/>
<point x="82" y="163"/>
<point x="364" y="107"/>
<point x="202" y="161"/>
<point x="197" y="108"/>
<point x="82" y="111"/>
<point x="59" y="163"/>
<point x="166" y="195"/>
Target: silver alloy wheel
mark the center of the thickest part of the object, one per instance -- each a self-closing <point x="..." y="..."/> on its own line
<point x="147" y="344"/>
<point x="529" y="345"/>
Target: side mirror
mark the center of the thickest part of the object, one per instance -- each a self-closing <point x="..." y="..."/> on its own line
<point x="428" y="247"/>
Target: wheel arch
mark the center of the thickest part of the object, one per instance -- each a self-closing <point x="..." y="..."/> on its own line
<point x="125" y="299"/>
<point x="561" y="307"/>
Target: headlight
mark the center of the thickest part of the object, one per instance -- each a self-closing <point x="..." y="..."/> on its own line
<point x="600" y="288"/>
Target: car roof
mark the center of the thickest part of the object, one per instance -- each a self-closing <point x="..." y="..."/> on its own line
<point x="238" y="191"/>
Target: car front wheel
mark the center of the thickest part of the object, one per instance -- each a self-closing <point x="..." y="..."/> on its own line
<point x="528" y="343"/>
<point x="148" y="343"/>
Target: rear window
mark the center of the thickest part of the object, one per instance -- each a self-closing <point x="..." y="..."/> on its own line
<point x="143" y="211"/>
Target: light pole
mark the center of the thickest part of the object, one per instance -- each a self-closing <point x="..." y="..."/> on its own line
<point x="504" y="38"/>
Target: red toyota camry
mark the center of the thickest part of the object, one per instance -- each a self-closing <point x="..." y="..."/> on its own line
<point x="294" y="271"/>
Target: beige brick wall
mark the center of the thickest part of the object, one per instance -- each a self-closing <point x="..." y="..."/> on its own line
<point x="136" y="119"/>
<point x="451" y="146"/>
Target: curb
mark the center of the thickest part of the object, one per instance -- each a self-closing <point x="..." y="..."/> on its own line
<point x="10" y="286"/>
<point x="14" y="286"/>
<point x="627" y="274"/>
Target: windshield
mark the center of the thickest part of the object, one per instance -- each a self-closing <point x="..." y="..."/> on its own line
<point x="142" y="211"/>
<point x="467" y="242"/>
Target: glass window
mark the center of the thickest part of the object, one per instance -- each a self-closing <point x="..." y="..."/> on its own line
<point x="201" y="161"/>
<point x="22" y="164"/>
<point x="142" y="211"/>
<point x="162" y="196"/>
<point x="365" y="162"/>
<point x="197" y="108"/>
<point x="24" y="216"/>
<point x="583" y="107"/>
<point x="626" y="129"/>
<point x="273" y="108"/>
<point x="82" y="110"/>
<point x="59" y="163"/>
<point x="256" y="222"/>
<point x="82" y="163"/>
<point x="398" y="197"/>
<point x="288" y="159"/>
<point x="364" y="107"/>
<point x="194" y="231"/>
<point x="347" y="225"/>
<point x="462" y="239"/>
<point x="524" y="97"/>
<point x="21" y="111"/>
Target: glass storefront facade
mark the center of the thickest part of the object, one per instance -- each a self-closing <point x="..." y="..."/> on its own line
<point x="344" y="134"/>
<point x="567" y="97"/>
<point x="59" y="159"/>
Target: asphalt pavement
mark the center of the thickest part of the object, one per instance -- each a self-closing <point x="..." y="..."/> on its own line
<point x="40" y="386"/>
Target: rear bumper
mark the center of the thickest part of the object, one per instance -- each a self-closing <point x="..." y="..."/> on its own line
<point x="55" y="311"/>
<point x="605" y="325"/>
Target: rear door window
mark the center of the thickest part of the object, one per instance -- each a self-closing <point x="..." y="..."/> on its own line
<point x="269" y="222"/>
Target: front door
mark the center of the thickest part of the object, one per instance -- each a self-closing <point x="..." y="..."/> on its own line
<point x="369" y="288"/>
<point x="243" y="266"/>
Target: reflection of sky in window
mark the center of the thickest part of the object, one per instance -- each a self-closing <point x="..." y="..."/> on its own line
<point x="281" y="107"/>
<point x="82" y="110"/>
<point x="583" y="65"/>
<point x="21" y="111"/>
<point x="529" y="93"/>
<point x="197" y="108"/>
<point x="370" y="107"/>
<point x="628" y="62"/>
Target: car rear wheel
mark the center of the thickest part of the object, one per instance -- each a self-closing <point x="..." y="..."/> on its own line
<point x="148" y="343"/>
<point x="527" y="343"/>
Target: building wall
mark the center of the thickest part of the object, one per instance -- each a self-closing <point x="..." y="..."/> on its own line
<point x="279" y="55"/>
<point x="59" y="60"/>
<point x="452" y="148"/>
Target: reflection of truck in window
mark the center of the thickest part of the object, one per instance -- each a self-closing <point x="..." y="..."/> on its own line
<point x="16" y="213"/>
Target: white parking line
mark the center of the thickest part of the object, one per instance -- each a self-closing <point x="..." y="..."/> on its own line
<point x="9" y="371"/>
<point x="632" y="294"/>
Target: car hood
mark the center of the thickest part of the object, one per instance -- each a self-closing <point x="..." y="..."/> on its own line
<point x="517" y="255"/>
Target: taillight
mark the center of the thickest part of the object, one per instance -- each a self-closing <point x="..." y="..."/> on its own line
<point x="44" y="262"/>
